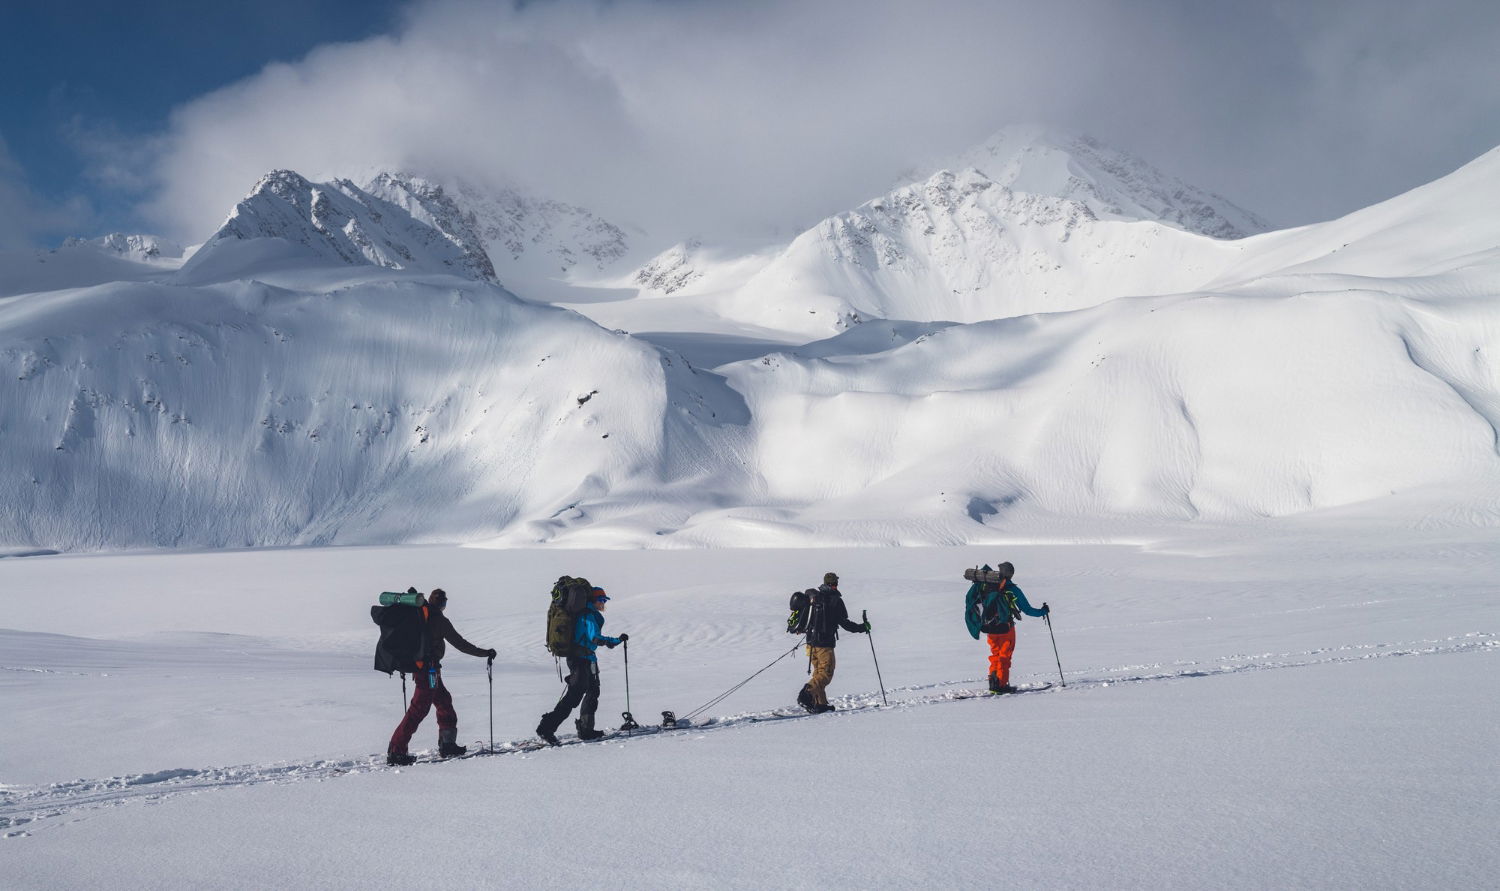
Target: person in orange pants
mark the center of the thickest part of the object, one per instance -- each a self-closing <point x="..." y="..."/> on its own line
<point x="993" y="609"/>
<point x="1002" y="647"/>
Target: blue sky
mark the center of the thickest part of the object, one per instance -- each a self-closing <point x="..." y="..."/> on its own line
<point x="700" y="117"/>
<point x="85" y="70"/>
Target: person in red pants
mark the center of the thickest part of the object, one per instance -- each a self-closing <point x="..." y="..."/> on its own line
<point x="429" y="686"/>
<point x="993" y="610"/>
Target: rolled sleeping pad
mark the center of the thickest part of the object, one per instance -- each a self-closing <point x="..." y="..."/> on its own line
<point x="408" y="598"/>
<point x="991" y="576"/>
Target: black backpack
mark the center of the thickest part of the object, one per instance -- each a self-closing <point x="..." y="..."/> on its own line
<point x="807" y="612"/>
<point x="570" y="597"/>
<point x="403" y="636"/>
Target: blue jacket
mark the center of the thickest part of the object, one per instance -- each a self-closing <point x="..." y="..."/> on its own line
<point x="586" y="633"/>
<point x="974" y="605"/>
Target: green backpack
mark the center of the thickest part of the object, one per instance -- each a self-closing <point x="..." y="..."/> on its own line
<point x="570" y="597"/>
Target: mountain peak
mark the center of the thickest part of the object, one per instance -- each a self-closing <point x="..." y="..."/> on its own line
<point x="1114" y="184"/>
<point x="405" y="224"/>
<point x="141" y="248"/>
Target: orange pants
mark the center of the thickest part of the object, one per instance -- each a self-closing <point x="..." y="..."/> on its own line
<point x="1002" y="646"/>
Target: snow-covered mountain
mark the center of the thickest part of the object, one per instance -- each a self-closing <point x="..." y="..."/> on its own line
<point x="529" y="240"/>
<point x="329" y="369"/>
<point x="289" y="222"/>
<point x="962" y="247"/>
<point x="671" y="270"/>
<point x="141" y="248"/>
<point x="1029" y="221"/>
<point x="1114" y="184"/>
<point x="1331" y="365"/>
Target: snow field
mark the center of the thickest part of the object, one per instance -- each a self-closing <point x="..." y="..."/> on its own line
<point x="1303" y="704"/>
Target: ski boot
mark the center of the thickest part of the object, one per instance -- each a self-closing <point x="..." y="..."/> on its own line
<point x="805" y="699"/>
<point x="547" y="736"/>
<point x="586" y="729"/>
<point x="448" y="746"/>
<point x="399" y="759"/>
<point x="995" y="686"/>
<point x="823" y="709"/>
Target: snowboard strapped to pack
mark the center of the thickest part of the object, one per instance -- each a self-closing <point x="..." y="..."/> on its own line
<point x="802" y="605"/>
<point x="570" y="597"/>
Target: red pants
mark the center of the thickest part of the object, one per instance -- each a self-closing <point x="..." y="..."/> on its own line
<point x="1002" y="646"/>
<point x="422" y="700"/>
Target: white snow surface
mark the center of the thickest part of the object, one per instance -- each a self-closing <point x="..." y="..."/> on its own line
<point x="1300" y="704"/>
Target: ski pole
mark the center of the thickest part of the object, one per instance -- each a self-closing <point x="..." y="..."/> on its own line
<point x="627" y="719"/>
<point x="489" y="671"/>
<point x="1048" y="616"/>
<point x="865" y="615"/>
<point x="403" y="692"/>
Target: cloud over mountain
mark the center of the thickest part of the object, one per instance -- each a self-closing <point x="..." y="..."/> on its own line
<point x="699" y="118"/>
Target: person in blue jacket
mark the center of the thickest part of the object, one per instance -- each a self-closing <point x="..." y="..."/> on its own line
<point x="993" y="610"/>
<point x="583" y="674"/>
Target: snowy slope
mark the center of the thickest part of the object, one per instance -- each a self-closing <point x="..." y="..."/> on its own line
<point x="389" y="410"/>
<point x="1213" y="407"/>
<point x="79" y="263"/>
<point x="1446" y="226"/>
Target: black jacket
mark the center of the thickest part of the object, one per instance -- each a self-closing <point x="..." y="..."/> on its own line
<point x="825" y="615"/>
<point x="439" y="629"/>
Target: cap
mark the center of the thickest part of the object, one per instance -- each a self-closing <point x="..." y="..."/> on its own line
<point x="599" y="596"/>
<point x="830" y="578"/>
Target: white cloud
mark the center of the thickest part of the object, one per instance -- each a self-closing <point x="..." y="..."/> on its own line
<point x="709" y="117"/>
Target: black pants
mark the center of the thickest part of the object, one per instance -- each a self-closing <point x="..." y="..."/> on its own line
<point x="583" y="687"/>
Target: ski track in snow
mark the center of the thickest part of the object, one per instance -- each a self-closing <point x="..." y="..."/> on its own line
<point x="25" y="809"/>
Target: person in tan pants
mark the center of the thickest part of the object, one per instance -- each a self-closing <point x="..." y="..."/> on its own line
<point x="826" y="614"/>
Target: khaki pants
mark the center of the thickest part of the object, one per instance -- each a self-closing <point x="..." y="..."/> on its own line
<point x="822" y="673"/>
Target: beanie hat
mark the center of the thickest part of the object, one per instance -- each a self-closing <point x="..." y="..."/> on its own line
<point x="830" y="578"/>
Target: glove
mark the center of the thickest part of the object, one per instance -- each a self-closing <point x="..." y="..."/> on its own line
<point x="612" y="643"/>
<point x="1046" y="610"/>
<point x="867" y="626"/>
<point x="491" y="654"/>
<point x="624" y="637"/>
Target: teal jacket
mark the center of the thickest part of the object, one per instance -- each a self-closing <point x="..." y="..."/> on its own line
<point x="586" y="634"/>
<point x="977" y="598"/>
